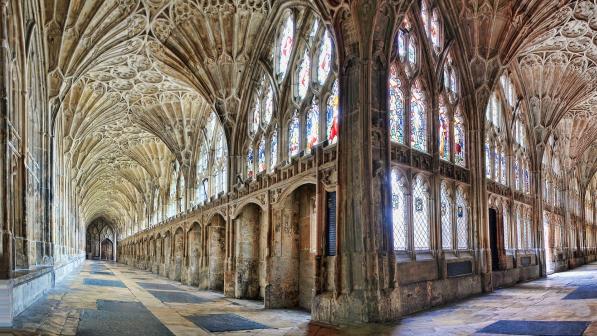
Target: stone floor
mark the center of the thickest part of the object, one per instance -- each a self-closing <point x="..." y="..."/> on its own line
<point x="112" y="299"/>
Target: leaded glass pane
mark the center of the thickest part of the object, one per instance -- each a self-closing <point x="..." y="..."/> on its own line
<point x="396" y="106"/>
<point x="435" y="31"/>
<point x="402" y="44"/>
<point x="250" y="163"/>
<point x="254" y="125"/>
<point x="446" y="216"/>
<point x="462" y="224"/>
<point x="503" y="167"/>
<point x="459" y="139"/>
<point x="268" y="106"/>
<point x="418" y="118"/>
<point x="312" y="126"/>
<point x="399" y="211"/>
<point x="517" y="174"/>
<point x="421" y="214"/>
<point x="506" y="222"/>
<point x="444" y="131"/>
<point x="285" y="44"/>
<point x="332" y="114"/>
<point x="324" y="65"/>
<point x="293" y="137"/>
<point x="304" y="76"/>
<point x="261" y="155"/>
<point x="412" y="52"/>
<point x="273" y="156"/>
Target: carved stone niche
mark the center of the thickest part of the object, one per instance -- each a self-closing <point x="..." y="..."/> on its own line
<point x="446" y="169"/>
<point x="400" y="154"/>
<point x="421" y="160"/>
<point x="462" y="175"/>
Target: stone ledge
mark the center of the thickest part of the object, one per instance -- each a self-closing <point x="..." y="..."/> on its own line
<point x="18" y="293"/>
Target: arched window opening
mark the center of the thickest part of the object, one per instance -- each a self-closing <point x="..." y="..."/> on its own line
<point x="399" y="211"/>
<point x="421" y="215"/>
<point x="285" y="46"/>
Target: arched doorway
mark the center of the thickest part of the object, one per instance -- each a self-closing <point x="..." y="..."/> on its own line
<point x="107" y="250"/>
<point x="100" y="240"/>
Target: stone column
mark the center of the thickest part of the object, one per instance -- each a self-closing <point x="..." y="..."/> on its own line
<point x="6" y="239"/>
<point x="365" y="279"/>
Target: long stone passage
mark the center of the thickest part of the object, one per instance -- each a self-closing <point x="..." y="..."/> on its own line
<point x="113" y="299"/>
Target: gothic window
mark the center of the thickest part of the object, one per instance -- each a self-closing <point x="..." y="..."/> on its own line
<point x="332" y="114"/>
<point x="506" y="221"/>
<point x="399" y="210"/>
<point x="459" y="139"/>
<point x="324" y="65"/>
<point x="421" y="215"/>
<point x="503" y="169"/>
<point x="517" y="174"/>
<point x="220" y="165"/>
<point x="396" y="106"/>
<point x="250" y="163"/>
<point x="303" y="76"/>
<point x="172" y="191"/>
<point x="261" y="156"/>
<point x="519" y="228"/>
<point x="446" y="216"/>
<point x="202" y="173"/>
<point x="312" y="126"/>
<point x="418" y="118"/>
<point x="293" y="136"/>
<point x="444" y="131"/>
<point x="488" y="163"/>
<point x="256" y="118"/>
<point x="462" y="218"/>
<point x="432" y="25"/>
<point x="285" y="46"/>
<point x="268" y="105"/>
<point x="273" y="150"/>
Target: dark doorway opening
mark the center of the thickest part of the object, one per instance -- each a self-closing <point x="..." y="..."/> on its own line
<point x="107" y="252"/>
<point x="493" y="239"/>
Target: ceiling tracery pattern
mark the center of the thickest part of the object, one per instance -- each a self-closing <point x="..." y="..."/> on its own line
<point x="133" y="83"/>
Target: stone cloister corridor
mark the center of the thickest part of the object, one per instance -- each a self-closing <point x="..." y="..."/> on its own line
<point x="112" y="299"/>
<point x="312" y="166"/>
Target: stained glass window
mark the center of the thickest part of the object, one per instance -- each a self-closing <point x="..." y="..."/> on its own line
<point x="220" y="166"/>
<point x="462" y="224"/>
<point x="444" y="131"/>
<point x="446" y="216"/>
<point x="402" y="44"/>
<point x="412" y="52"/>
<point x="396" y="106"/>
<point x="250" y="163"/>
<point x="425" y="17"/>
<point x="261" y="155"/>
<point x="399" y="210"/>
<point x="332" y="114"/>
<point x="526" y="178"/>
<point x="273" y="156"/>
<point x="293" y="137"/>
<point x="172" y="193"/>
<point x="312" y="126"/>
<point x="435" y="31"/>
<point x="459" y="139"/>
<point x="421" y="214"/>
<point x="496" y="163"/>
<point x="418" y="119"/>
<point x="503" y="167"/>
<point x="304" y="76"/>
<point x="285" y="44"/>
<point x="488" y="164"/>
<point x="325" y="58"/>
<point x="255" y="117"/>
<point x="268" y="105"/>
<point x="201" y="174"/>
<point x="506" y="222"/>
